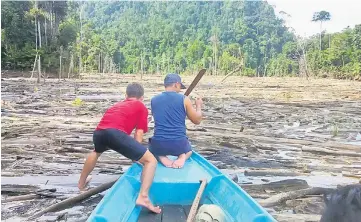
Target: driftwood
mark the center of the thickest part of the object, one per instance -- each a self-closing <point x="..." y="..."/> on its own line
<point x="14" y="189"/>
<point x="232" y="72"/>
<point x="279" y="198"/>
<point x="340" y="146"/>
<point x="116" y="162"/>
<point x="271" y="172"/>
<point x="329" y="152"/>
<point x="297" y="217"/>
<point x="358" y="176"/>
<point x="73" y="200"/>
<point x="233" y="129"/>
<point x="29" y="197"/>
<point x="72" y="150"/>
<point x="22" y="197"/>
<point x="278" y="186"/>
<point x="33" y="195"/>
<point x="17" y="162"/>
<point x="196" y="129"/>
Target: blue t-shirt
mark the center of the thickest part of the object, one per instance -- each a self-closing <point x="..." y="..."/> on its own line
<point x="169" y="116"/>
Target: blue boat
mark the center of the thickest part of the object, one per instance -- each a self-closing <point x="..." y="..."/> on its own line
<point x="174" y="190"/>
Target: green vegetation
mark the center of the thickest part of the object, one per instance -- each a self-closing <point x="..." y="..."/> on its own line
<point x="159" y="37"/>
<point x="77" y="102"/>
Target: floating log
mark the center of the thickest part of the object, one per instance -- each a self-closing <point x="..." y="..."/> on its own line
<point x="357" y="176"/>
<point x="279" y="198"/>
<point x="72" y="150"/>
<point x="297" y="217"/>
<point x="279" y="186"/>
<point x="15" y="189"/>
<point x="73" y="200"/>
<point x="116" y="162"/>
<point x="330" y="144"/>
<point x="22" y="197"/>
<point x="270" y="172"/>
<point x="329" y="152"/>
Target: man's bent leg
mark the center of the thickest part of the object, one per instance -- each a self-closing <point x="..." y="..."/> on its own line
<point x="130" y="148"/>
<point x="179" y="163"/>
<point x="87" y="169"/>
<point x="150" y="164"/>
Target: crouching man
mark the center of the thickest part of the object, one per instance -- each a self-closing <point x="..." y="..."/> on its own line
<point x="113" y="132"/>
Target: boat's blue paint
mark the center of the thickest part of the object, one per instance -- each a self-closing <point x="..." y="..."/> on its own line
<point x="179" y="186"/>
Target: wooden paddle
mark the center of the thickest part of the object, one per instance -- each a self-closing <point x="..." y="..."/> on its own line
<point x="193" y="211"/>
<point x="195" y="82"/>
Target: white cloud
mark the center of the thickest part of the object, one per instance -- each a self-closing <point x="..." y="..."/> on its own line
<point x="343" y="13"/>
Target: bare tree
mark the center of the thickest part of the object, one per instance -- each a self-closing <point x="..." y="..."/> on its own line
<point x="60" y="58"/>
<point x="39" y="36"/>
<point x="214" y="41"/>
<point x="321" y="17"/>
<point x="81" y="37"/>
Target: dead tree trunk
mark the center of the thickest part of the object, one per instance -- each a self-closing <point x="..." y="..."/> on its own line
<point x="99" y="63"/>
<point x="36" y="41"/>
<point x="239" y="68"/>
<point x="71" y="66"/>
<point x="45" y="27"/>
<point x="51" y="22"/>
<point x="81" y="39"/>
<point x="60" y="57"/>
<point x="36" y="59"/>
<point x="39" y="58"/>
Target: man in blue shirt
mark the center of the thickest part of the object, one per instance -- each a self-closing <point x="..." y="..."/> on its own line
<point x="169" y="110"/>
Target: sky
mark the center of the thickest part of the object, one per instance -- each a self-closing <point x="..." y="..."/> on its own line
<point x="343" y="13"/>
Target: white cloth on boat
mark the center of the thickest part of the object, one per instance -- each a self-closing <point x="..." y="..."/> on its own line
<point x="210" y="213"/>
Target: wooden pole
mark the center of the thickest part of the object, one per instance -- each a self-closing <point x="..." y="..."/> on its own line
<point x="195" y="204"/>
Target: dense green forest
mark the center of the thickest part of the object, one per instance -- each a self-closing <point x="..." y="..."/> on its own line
<point x="159" y="37"/>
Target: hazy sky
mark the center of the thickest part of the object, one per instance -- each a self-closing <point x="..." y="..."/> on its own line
<point x="343" y="13"/>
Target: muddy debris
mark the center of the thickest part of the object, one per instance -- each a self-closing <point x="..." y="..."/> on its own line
<point x="273" y="136"/>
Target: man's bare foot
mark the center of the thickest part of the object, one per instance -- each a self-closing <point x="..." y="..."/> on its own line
<point x="83" y="186"/>
<point x="145" y="202"/>
<point x="179" y="163"/>
<point x="166" y="161"/>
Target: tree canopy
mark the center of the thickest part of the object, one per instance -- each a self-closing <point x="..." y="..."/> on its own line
<point x="160" y="37"/>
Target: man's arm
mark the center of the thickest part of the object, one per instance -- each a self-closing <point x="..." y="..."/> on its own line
<point x="142" y="126"/>
<point x="195" y="115"/>
<point x="138" y="135"/>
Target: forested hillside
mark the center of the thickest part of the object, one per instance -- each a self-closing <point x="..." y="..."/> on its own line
<point x="159" y="37"/>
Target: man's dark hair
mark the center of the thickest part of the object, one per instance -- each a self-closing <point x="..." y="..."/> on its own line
<point x="343" y="205"/>
<point x="135" y="90"/>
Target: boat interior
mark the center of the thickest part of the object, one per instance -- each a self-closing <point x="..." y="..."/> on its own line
<point x="174" y="190"/>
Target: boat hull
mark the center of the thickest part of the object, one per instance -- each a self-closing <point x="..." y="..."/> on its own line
<point x="179" y="187"/>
